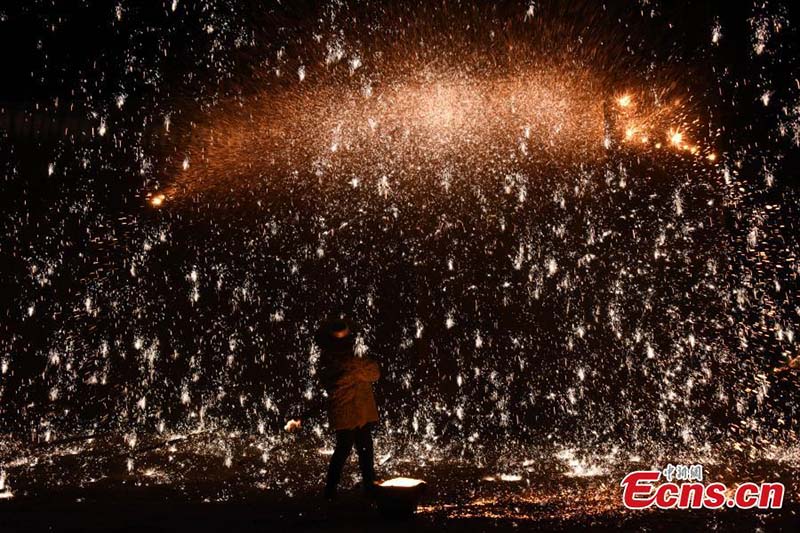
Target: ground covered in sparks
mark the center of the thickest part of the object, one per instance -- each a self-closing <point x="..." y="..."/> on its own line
<point x="210" y="480"/>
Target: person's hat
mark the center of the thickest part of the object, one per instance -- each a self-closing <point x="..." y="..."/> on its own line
<point x="337" y="335"/>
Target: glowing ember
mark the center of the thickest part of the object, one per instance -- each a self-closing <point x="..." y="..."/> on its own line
<point x="292" y="425"/>
<point x="157" y="200"/>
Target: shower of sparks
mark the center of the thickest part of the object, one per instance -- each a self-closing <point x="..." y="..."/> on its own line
<point x="417" y="124"/>
<point x="409" y="124"/>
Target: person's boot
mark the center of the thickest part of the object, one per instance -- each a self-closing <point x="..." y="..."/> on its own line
<point x="329" y="493"/>
<point x="369" y="489"/>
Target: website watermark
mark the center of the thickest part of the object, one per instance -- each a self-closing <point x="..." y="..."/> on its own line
<point x="683" y="487"/>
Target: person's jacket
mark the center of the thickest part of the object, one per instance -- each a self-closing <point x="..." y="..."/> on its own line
<point x="348" y="381"/>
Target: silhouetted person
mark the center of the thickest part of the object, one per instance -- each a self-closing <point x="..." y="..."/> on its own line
<point x="348" y="380"/>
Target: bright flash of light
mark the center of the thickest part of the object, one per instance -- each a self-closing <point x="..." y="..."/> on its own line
<point x="401" y="482"/>
<point x="157" y="200"/>
<point x="676" y="138"/>
<point x="625" y="100"/>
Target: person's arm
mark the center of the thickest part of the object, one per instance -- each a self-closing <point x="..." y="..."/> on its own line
<point x="334" y="375"/>
<point x="356" y="370"/>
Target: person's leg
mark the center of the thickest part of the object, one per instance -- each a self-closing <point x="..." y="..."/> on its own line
<point x="366" y="460"/>
<point x="344" y="443"/>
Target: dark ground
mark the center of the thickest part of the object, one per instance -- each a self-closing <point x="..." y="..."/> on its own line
<point x="208" y="481"/>
<point x="151" y="515"/>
